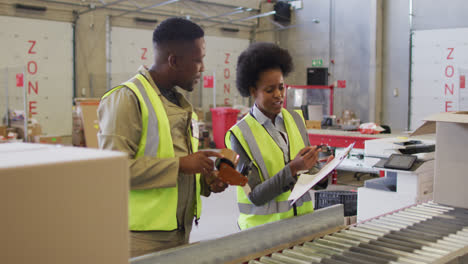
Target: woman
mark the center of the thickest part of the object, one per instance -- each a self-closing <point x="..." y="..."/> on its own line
<point x="274" y="139"/>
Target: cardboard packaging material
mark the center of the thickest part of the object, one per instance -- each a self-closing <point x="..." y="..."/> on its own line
<point x="87" y="110"/>
<point x="313" y="124"/>
<point x="34" y="129"/>
<point x="350" y="220"/>
<point x="63" y="205"/>
<point x="50" y="140"/>
<point x="78" y="139"/>
<point x="451" y="164"/>
<point x="3" y="131"/>
<point x="200" y="113"/>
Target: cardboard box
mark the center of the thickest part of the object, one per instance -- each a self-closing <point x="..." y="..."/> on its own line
<point x="34" y="129"/>
<point x="87" y="110"/>
<point x="313" y="124"/>
<point x="50" y="140"/>
<point x="200" y="113"/>
<point x="450" y="179"/>
<point x="3" y="131"/>
<point x="63" y="205"/>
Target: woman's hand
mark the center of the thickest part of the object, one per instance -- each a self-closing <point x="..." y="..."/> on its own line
<point x="305" y="159"/>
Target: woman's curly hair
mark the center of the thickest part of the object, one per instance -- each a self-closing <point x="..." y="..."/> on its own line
<point x="257" y="58"/>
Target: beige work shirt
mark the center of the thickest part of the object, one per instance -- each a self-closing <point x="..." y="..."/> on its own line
<point x="120" y="126"/>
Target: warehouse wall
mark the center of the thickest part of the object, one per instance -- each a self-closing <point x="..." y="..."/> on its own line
<point x="348" y="38"/>
<point x="427" y="15"/>
<point x="377" y="81"/>
<point x="90" y="34"/>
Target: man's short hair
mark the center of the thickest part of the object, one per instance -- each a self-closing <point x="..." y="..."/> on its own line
<point x="176" y="29"/>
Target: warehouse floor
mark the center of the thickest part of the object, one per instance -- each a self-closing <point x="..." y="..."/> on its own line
<point x="219" y="214"/>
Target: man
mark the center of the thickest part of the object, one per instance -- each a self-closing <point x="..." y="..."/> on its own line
<point x="147" y="118"/>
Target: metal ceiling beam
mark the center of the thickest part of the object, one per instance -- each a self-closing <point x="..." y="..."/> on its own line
<point x="237" y="11"/>
<point x="245" y="18"/>
<point x="148" y="7"/>
<point x="102" y="6"/>
<point x="196" y="9"/>
<point x="170" y="15"/>
<point x="108" y="7"/>
<point x="135" y="3"/>
<point x="281" y="27"/>
<point x="276" y="23"/>
<point x="221" y="5"/>
<point x="64" y="3"/>
<point x="256" y="16"/>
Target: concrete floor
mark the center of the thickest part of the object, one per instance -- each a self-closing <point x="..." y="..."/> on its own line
<point x="219" y="216"/>
<point x="220" y="211"/>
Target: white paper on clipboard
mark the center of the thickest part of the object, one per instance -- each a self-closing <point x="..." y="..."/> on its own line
<point x="307" y="181"/>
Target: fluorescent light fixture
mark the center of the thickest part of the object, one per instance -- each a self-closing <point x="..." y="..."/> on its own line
<point x="145" y="20"/>
<point x="228" y="29"/>
<point x="31" y="7"/>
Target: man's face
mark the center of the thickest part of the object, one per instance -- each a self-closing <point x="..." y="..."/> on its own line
<point x="191" y="64"/>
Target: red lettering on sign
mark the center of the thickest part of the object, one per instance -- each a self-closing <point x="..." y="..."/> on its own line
<point x="226" y="101"/>
<point x="32" y="106"/>
<point x="29" y="67"/>
<point x="19" y="80"/>
<point x="226" y="61"/>
<point x="447" y="74"/>
<point x="227" y="88"/>
<point x="447" y="87"/>
<point x="33" y="42"/>
<point x="208" y="81"/>
<point x="341" y="83"/>
<point x="31" y="86"/>
<point x="227" y="73"/>
<point x="450" y="53"/>
<point x="448" y="104"/>
<point x="143" y="56"/>
<point x="462" y="81"/>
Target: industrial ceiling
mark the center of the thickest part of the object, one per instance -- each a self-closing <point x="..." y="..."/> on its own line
<point x="208" y="13"/>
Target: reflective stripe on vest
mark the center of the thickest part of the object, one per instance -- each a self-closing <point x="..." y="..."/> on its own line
<point x="269" y="160"/>
<point x="154" y="209"/>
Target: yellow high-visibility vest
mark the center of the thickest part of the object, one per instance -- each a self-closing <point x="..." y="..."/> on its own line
<point x="155" y="209"/>
<point x="268" y="158"/>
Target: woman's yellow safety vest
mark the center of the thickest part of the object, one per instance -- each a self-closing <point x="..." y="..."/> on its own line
<point x="268" y="157"/>
<point x="155" y="209"/>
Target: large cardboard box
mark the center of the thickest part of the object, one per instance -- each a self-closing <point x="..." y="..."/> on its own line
<point x="450" y="179"/>
<point x="62" y="205"/>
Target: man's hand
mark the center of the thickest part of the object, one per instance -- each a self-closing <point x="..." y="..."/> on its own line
<point x="216" y="185"/>
<point x="305" y="159"/>
<point x="198" y="162"/>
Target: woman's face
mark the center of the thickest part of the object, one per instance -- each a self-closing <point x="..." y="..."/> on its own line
<point x="269" y="92"/>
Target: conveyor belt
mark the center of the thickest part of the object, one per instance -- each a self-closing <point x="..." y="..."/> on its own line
<point x="425" y="233"/>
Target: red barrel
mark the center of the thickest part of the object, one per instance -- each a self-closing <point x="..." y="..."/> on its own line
<point x="223" y="118"/>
